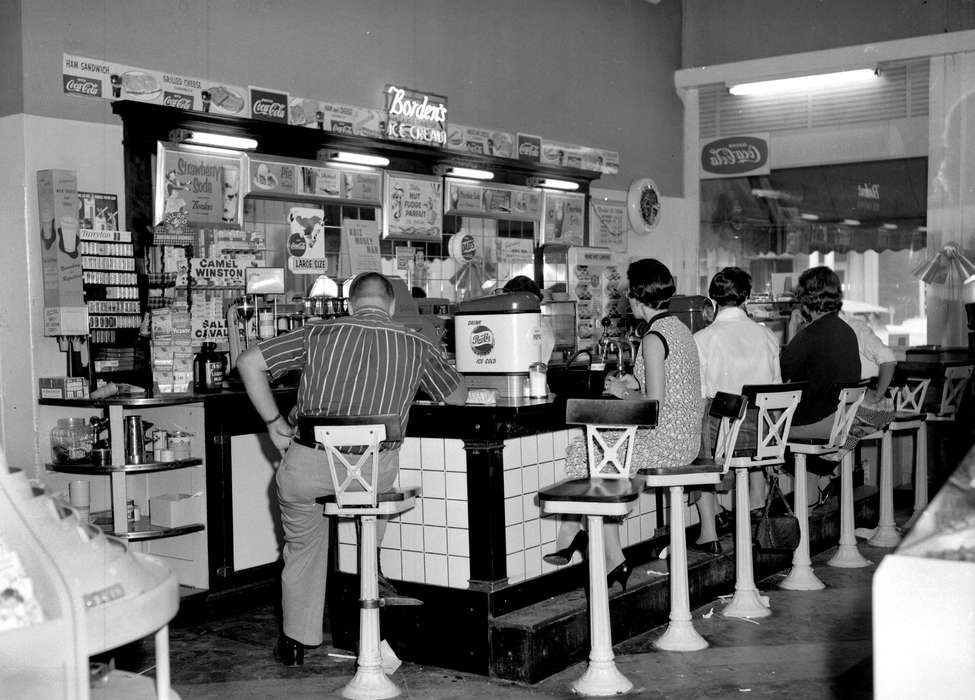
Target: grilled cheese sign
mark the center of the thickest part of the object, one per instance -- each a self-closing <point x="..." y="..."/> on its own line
<point x="416" y="117"/>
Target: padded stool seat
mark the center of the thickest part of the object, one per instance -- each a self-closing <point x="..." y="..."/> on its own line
<point x="351" y="445"/>
<point x="776" y="404"/>
<point x="610" y="435"/>
<point x="730" y="409"/>
<point x="801" y="577"/>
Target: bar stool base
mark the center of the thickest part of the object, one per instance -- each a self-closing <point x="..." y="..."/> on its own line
<point x="848" y="557"/>
<point x="802" y="578"/>
<point x="885" y="536"/>
<point x="370" y="684"/>
<point x="748" y="604"/>
<point x="602" y="678"/>
<point x="681" y="636"/>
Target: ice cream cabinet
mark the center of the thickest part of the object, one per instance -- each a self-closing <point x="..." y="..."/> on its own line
<point x="595" y="282"/>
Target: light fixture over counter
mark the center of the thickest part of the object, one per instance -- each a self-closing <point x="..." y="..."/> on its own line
<point x="211" y="140"/>
<point x="800" y="83"/>
<point x="553" y="184"/>
<point x="353" y="158"/>
<point x="445" y="170"/>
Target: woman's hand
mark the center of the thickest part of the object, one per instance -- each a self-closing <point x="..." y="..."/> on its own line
<point x="622" y="386"/>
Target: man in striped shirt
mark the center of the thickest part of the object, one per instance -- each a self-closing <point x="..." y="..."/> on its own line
<point x="363" y="364"/>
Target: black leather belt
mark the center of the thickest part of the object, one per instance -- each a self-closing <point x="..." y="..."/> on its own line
<point x="315" y="445"/>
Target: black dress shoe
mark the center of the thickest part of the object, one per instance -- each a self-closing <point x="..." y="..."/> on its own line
<point x="289" y="652"/>
<point x="713" y="547"/>
<point x="621" y="574"/>
<point x="561" y="557"/>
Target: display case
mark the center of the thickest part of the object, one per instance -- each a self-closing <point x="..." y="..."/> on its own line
<point x="923" y="602"/>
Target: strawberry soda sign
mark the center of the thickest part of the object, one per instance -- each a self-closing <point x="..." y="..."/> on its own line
<point x="735" y="155"/>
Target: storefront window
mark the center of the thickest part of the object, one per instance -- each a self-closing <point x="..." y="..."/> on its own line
<point x="865" y="220"/>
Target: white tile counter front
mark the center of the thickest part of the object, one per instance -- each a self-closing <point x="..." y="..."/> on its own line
<point x="431" y="544"/>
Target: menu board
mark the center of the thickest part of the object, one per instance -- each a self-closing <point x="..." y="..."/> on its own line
<point x="563" y="219"/>
<point x="608" y="225"/>
<point x="464" y="197"/>
<point x="203" y="186"/>
<point x="413" y="207"/>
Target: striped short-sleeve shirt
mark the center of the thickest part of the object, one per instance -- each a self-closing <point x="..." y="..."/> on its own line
<point x="364" y="364"/>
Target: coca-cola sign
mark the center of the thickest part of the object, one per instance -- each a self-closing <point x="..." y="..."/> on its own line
<point x="269" y="105"/>
<point x="735" y="155"/>
<point x="77" y="85"/>
<point x="178" y="100"/>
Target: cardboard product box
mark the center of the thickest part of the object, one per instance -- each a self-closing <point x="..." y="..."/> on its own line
<point x="176" y="509"/>
<point x="57" y="206"/>
<point x="65" y="320"/>
<point x="62" y="387"/>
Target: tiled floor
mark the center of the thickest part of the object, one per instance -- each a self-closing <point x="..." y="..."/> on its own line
<point x="815" y="645"/>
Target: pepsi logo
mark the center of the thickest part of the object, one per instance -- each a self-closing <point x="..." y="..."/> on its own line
<point x="482" y="340"/>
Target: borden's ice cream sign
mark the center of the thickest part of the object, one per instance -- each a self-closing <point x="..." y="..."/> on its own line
<point x="416" y="117"/>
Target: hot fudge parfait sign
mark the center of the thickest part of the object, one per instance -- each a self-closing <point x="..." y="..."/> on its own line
<point x="417" y="117"/>
<point x="206" y="188"/>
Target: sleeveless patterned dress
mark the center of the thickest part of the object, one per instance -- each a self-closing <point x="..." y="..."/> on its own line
<point x="676" y="440"/>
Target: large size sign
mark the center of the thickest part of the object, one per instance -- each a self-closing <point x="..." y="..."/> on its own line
<point x="417" y="117"/>
<point x="735" y="155"/>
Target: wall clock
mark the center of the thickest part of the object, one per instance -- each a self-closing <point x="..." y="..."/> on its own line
<point x="643" y="205"/>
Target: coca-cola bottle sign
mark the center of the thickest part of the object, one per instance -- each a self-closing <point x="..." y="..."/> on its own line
<point x="734" y="155"/>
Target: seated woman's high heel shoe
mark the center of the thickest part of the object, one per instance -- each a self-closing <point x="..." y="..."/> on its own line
<point x="561" y="557"/>
<point x="621" y="573"/>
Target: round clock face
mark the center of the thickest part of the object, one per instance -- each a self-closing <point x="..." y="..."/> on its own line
<point x="643" y="205"/>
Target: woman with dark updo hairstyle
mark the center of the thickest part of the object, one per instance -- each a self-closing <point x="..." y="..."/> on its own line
<point x="666" y="369"/>
<point x="823" y="352"/>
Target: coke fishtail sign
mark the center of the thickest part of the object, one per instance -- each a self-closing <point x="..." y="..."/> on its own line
<point x="735" y="156"/>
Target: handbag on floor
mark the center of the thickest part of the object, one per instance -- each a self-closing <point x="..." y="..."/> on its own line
<point x="775" y="530"/>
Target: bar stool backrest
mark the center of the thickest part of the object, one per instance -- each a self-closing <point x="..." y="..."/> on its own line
<point x="953" y="389"/>
<point x="851" y="396"/>
<point x="611" y="427"/>
<point x="776" y="404"/>
<point x="731" y="409"/>
<point x="910" y="397"/>
<point x="351" y="445"/>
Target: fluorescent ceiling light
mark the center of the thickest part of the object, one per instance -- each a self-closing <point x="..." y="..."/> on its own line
<point x="203" y="138"/>
<point x="851" y="222"/>
<point x="467" y="173"/>
<point x="359" y="158"/>
<point x="552" y="184"/>
<point x="808" y="217"/>
<point x="890" y="227"/>
<point x="804" y="82"/>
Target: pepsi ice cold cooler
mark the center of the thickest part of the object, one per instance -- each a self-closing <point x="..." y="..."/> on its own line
<point x="497" y="338"/>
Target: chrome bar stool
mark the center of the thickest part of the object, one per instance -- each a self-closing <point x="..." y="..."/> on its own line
<point x="730" y="408"/>
<point x="609" y="491"/>
<point x="352" y="445"/>
<point x="775" y="404"/>
<point x="801" y="577"/>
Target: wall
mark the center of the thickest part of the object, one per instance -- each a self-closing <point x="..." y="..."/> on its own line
<point x="596" y="74"/>
<point x="11" y="59"/>
<point x="722" y="32"/>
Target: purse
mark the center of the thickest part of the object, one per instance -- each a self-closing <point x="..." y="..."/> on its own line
<point x="778" y="532"/>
